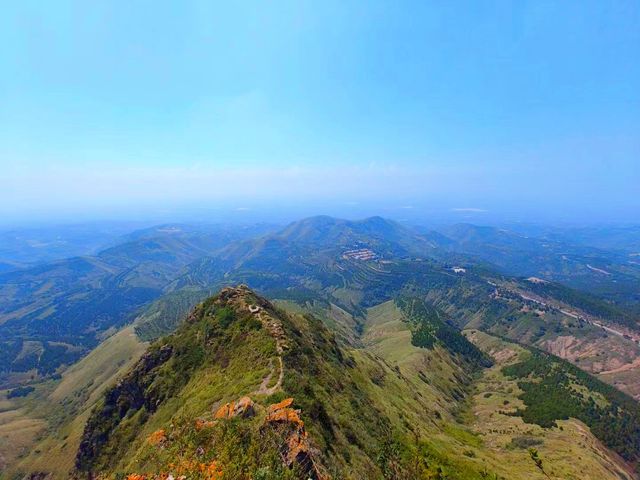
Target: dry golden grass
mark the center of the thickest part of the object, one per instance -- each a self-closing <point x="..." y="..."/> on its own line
<point x="18" y="432"/>
<point x="81" y="386"/>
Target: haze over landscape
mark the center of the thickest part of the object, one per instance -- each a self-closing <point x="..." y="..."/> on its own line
<point x="320" y="240"/>
<point x="527" y="110"/>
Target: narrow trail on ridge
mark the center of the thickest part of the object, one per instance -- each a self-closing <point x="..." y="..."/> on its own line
<point x="275" y="329"/>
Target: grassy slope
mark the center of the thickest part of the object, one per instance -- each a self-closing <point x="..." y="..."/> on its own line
<point x="163" y="316"/>
<point x="387" y="336"/>
<point x="506" y="313"/>
<point x="18" y="430"/>
<point x="209" y="388"/>
<point x="358" y="407"/>
<point x="568" y="452"/>
<point x="345" y="326"/>
<point x="485" y="434"/>
<point x="64" y="407"/>
<point x="421" y="395"/>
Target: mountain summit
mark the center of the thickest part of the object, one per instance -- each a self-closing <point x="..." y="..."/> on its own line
<point x="217" y="381"/>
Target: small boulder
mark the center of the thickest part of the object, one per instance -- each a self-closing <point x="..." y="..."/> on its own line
<point x="283" y="413"/>
<point x="242" y="408"/>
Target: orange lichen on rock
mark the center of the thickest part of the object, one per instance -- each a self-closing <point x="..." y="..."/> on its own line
<point x="152" y="476"/>
<point x="223" y="411"/>
<point x="281" y="412"/>
<point x="297" y="447"/>
<point x="280" y="405"/>
<point x="191" y="468"/>
<point x="288" y="415"/>
<point x="241" y="408"/>
<point x="157" y="437"/>
<point x="200" y="424"/>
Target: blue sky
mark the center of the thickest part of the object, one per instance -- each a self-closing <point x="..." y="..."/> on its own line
<point x="522" y="109"/>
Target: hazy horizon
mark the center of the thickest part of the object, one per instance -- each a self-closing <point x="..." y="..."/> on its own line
<point x="484" y="112"/>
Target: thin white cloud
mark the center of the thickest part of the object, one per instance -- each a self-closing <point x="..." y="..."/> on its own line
<point x="469" y="210"/>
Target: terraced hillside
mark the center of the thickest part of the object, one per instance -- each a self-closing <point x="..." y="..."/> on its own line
<point x="306" y="263"/>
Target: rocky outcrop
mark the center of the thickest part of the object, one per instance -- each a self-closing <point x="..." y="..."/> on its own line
<point x="283" y="413"/>
<point x="243" y="408"/>
<point x="129" y="394"/>
<point x="296" y="449"/>
<point x="201" y="423"/>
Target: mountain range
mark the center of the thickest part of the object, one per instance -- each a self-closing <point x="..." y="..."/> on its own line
<point x="366" y="349"/>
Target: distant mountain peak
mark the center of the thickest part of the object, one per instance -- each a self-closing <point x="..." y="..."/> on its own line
<point x="335" y="231"/>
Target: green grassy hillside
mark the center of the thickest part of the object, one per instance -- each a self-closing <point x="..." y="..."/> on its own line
<point x="378" y="405"/>
<point x="390" y="407"/>
<point x="225" y="351"/>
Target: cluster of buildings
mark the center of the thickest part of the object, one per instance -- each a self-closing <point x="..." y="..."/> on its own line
<point x="360" y="254"/>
